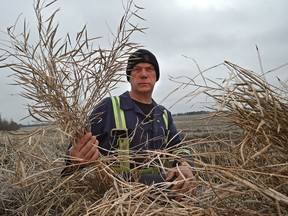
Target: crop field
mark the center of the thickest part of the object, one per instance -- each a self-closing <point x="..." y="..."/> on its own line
<point x="33" y="158"/>
<point x="205" y="125"/>
<point x="239" y="157"/>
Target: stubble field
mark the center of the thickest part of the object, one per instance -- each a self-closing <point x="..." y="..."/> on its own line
<point x="205" y="125"/>
<point x="33" y="158"/>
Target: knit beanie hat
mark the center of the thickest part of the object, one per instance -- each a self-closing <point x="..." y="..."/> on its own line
<point x="142" y="56"/>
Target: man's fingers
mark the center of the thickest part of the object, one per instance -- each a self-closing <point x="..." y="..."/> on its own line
<point x="95" y="155"/>
<point x="84" y="139"/>
<point x="170" y="175"/>
<point x="86" y="150"/>
<point x="186" y="186"/>
<point x="184" y="183"/>
<point x="178" y="185"/>
<point x="89" y="148"/>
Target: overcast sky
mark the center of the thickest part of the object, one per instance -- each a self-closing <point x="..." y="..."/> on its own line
<point x="209" y="31"/>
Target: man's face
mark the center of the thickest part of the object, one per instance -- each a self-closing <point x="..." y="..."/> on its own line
<point x="143" y="78"/>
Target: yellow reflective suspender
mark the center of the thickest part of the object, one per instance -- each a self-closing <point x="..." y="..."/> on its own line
<point x="123" y="140"/>
<point x="118" y="113"/>
<point x="165" y="117"/>
<point x="178" y="151"/>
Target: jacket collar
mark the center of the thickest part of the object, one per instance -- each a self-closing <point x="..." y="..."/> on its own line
<point x="127" y="103"/>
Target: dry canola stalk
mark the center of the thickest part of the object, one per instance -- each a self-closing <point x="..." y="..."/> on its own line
<point x="64" y="78"/>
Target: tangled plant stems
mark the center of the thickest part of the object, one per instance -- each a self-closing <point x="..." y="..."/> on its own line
<point x="65" y="79"/>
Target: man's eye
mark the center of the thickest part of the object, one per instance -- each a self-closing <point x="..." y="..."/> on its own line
<point x="150" y="69"/>
<point x="137" y="70"/>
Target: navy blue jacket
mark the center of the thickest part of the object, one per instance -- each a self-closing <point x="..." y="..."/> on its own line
<point x="145" y="132"/>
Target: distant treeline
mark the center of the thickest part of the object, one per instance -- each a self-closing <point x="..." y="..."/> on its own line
<point x="193" y="113"/>
<point x="8" y="125"/>
<point x="33" y="125"/>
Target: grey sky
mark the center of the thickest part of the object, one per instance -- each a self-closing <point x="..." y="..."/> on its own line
<point x="208" y="31"/>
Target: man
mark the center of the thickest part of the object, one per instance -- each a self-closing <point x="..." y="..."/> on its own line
<point x="145" y="127"/>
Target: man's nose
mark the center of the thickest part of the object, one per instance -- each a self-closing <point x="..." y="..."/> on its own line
<point x="143" y="73"/>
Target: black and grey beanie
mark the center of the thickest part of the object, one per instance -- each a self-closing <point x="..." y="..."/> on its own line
<point x="142" y="56"/>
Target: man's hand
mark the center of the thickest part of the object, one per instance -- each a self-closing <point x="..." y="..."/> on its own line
<point x="85" y="150"/>
<point x="185" y="180"/>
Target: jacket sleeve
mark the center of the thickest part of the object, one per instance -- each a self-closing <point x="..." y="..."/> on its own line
<point x="176" y="145"/>
<point x="96" y="119"/>
<point x="102" y="121"/>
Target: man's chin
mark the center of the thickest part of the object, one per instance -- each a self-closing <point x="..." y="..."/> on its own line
<point x="145" y="90"/>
